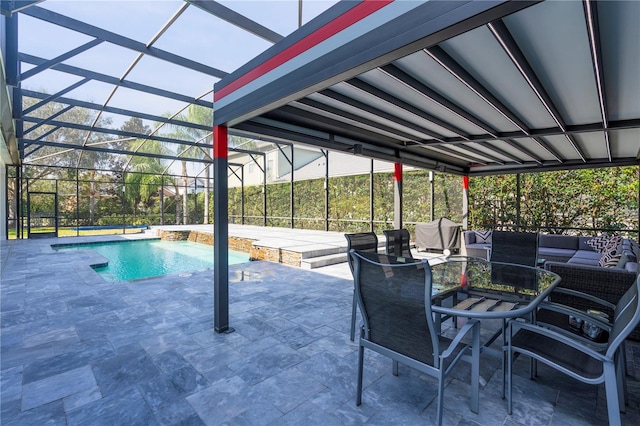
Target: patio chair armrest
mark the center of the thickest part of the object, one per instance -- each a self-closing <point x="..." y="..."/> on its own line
<point x="471" y="325"/>
<point x="586" y="296"/>
<point x="559" y="337"/>
<point x="568" y="310"/>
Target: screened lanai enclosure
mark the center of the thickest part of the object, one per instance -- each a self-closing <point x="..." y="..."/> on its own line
<point x="108" y="111"/>
<point x="113" y="126"/>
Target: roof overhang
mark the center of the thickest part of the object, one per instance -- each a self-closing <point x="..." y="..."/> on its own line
<point x="468" y="87"/>
<point x="8" y="141"/>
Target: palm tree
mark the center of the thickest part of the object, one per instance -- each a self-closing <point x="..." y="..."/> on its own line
<point x="198" y="115"/>
<point x="144" y="175"/>
<point x="144" y="181"/>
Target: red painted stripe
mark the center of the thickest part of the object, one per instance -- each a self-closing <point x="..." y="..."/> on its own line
<point x="220" y="142"/>
<point x="364" y="9"/>
<point x="463" y="280"/>
<point x="465" y="183"/>
<point x="397" y="172"/>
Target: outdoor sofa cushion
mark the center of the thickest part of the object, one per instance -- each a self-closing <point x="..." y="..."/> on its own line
<point x="558" y="241"/>
<point x="558" y="254"/>
<point x="585" y="257"/>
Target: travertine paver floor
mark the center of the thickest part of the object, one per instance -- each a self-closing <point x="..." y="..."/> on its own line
<point x="80" y="351"/>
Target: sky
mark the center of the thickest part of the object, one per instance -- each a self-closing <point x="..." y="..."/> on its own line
<point x="195" y="35"/>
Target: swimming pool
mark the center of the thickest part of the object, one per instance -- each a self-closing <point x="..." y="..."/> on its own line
<point x="132" y="260"/>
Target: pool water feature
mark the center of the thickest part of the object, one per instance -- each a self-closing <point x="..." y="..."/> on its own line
<point x="133" y="260"/>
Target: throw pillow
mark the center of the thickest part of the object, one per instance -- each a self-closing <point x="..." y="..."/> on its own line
<point x="613" y="245"/>
<point x="483" y="237"/>
<point x="613" y="261"/>
<point x="599" y="243"/>
<point x="610" y="252"/>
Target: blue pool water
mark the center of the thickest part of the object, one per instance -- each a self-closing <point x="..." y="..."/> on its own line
<point x="132" y="260"/>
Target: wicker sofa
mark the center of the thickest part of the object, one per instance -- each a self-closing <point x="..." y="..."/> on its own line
<point x="582" y="272"/>
<point x="577" y="264"/>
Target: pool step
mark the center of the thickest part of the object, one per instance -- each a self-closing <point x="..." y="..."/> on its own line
<point x="327" y="256"/>
<point x="320" y="261"/>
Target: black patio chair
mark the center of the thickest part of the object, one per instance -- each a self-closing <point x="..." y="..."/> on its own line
<point x="394" y="296"/>
<point x="362" y="241"/>
<point x="568" y="320"/>
<point x="520" y="248"/>
<point x="514" y="247"/>
<point x="398" y="243"/>
<point x="577" y="359"/>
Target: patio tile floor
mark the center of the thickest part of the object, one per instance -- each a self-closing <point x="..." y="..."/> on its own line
<point x="76" y="350"/>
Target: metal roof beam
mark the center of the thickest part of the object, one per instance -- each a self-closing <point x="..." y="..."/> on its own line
<point x="511" y="48"/>
<point x="446" y="61"/>
<point x="554" y="131"/>
<point x="380" y="113"/>
<point x="42" y="136"/>
<point x="58" y="59"/>
<point x="99" y="33"/>
<point x="265" y="127"/>
<point x="593" y="28"/>
<point x="117" y="132"/>
<point x="120" y="111"/>
<point x="387" y="97"/>
<point x="48" y="119"/>
<point x="287" y="132"/>
<point x="252" y="154"/>
<point x="54" y="96"/>
<point x="237" y="19"/>
<point x="409" y="81"/>
<point x="348" y="120"/>
<point x="512" y="143"/>
<point x="115" y="81"/>
<point x="459" y="155"/>
<point x="8" y="7"/>
<point x="390" y="148"/>
<point x="246" y="151"/>
<point x="113" y="151"/>
<point x="552" y="166"/>
<point x="480" y="153"/>
<point x="462" y="75"/>
<point x="547" y="147"/>
<point x="524" y="150"/>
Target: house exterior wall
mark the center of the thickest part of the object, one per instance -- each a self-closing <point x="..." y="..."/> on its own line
<point x="309" y="163"/>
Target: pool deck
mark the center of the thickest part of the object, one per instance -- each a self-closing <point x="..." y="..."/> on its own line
<point x="76" y="350"/>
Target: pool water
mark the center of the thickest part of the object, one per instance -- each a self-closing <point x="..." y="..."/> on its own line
<point x="132" y="260"/>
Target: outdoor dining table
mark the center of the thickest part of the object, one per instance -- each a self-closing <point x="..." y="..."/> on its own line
<point x="481" y="289"/>
<point x="473" y="287"/>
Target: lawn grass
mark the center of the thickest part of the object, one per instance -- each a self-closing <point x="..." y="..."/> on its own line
<point x="69" y="232"/>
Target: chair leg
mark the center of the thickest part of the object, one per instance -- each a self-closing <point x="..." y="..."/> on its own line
<point x="440" y="396"/>
<point x="354" y="313"/>
<point x="611" y="388"/>
<point x="504" y="356"/>
<point x="509" y="378"/>
<point x="475" y="370"/>
<point x="360" y="368"/>
<point x="622" y="354"/>
<point x="621" y="383"/>
<point x="394" y="367"/>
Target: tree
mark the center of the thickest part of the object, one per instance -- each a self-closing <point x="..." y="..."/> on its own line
<point x="55" y="162"/>
<point x="144" y="175"/>
<point x="198" y="115"/>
